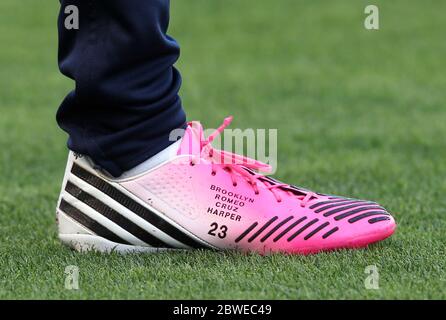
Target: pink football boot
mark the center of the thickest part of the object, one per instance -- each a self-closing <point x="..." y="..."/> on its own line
<point x="209" y="198"/>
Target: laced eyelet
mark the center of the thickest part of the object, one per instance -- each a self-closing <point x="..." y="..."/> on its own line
<point x="191" y="163"/>
<point x="234" y="184"/>
<point x="279" y="201"/>
<point x="213" y="173"/>
<point x="256" y="193"/>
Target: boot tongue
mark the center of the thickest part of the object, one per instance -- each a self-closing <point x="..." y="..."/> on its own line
<point x="191" y="144"/>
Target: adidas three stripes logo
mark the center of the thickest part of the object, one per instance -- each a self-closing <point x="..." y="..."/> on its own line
<point x="109" y="213"/>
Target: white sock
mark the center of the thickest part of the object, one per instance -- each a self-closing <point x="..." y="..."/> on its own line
<point x="152" y="162"/>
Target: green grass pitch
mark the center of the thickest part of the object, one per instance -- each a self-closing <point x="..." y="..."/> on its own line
<point x="359" y="113"/>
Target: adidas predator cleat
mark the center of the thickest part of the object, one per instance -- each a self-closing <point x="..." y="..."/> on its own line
<point x="208" y="198"/>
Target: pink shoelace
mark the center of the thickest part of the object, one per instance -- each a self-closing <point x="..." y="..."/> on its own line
<point x="247" y="168"/>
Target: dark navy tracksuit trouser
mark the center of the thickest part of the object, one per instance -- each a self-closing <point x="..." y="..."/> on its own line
<point x="125" y="102"/>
